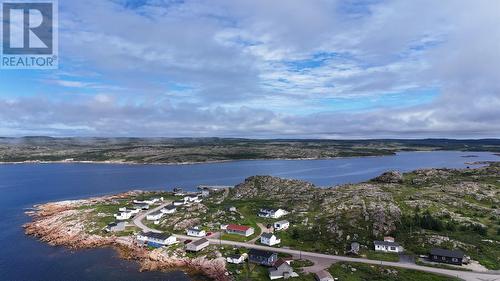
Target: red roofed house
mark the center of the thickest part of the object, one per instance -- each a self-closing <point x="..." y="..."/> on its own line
<point x="240" y="230"/>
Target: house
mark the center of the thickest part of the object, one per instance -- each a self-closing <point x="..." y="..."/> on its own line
<point x="281" y="269"/>
<point x="239" y="229"/>
<point x="269" y="239"/>
<point x="271" y="213"/>
<point x="281" y="225"/>
<point x="123" y="215"/>
<point x="232" y="209"/>
<point x="388" y="245"/>
<point x="115" y="226"/>
<point x="205" y="192"/>
<point x="191" y="198"/>
<point x="354" y="248"/>
<point x="179" y="202"/>
<point x="142" y="206"/>
<point x="153" y="200"/>
<point x="196" y="232"/>
<point x="455" y="257"/>
<point x="323" y="275"/>
<point x="156" y="239"/>
<point x="197" y="245"/>
<point x="154" y="216"/>
<point x="170" y="209"/>
<point x="236" y="258"/>
<point x="262" y="257"/>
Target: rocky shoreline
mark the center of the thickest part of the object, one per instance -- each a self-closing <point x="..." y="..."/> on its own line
<point x="60" y="224"/>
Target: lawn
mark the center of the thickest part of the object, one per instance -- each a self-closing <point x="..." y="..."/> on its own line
<point x="382" y="256"/>
<point x="361" y="272"/>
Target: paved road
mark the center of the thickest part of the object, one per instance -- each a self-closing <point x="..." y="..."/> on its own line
<point x="323" y="259"/>
<point x="140" y="217"/>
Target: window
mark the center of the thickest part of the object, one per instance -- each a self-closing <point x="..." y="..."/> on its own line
<point x="443" y="258"/>
<point x="393" y="248"/>
<point x="454" y="259"/>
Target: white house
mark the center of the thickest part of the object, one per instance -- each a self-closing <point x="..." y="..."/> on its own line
<point x="388" y="245"/>
<point x="153" y="200"/>
<point x="133" y="211"/>
<point x="197" y="245"/>
<point x="179" y="202"/>
<point x="191" y="198"/>
<point x="141" y="206"/>
<point x="196" y="232"/>
<point x="236" y="259"/>
<point x="170" y="209"/>
<point x="281" y="269"/>
<point x="156" y="239"/>
<point x="239" y="230"/>
<point x="154" y="216"/>
<point x="271" y="213"/>
<point x="269" y="239"/>
<point x="123" y="215"/>
<point x="281" y="225"/>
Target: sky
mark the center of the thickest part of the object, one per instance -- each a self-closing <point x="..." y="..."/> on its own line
<point x="346" y="69"/>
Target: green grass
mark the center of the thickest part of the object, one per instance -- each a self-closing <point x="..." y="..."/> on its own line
<point x="344" y="272"/>
<point x="382" y="256"/>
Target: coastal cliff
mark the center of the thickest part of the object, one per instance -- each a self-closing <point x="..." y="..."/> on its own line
<point x="65" y="224"/>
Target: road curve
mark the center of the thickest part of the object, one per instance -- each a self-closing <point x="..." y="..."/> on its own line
<point x="138" y="219"/>
<point x="465" y="275"/>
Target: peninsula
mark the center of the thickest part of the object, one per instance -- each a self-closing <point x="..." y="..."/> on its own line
<point x="196" y="150"/>
<point x="433" y="224"/>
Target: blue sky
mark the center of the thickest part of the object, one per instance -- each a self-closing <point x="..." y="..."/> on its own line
<point x="264" y="69"/>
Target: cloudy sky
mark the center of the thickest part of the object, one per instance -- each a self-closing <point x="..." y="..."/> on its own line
<point x="265" y="69"/>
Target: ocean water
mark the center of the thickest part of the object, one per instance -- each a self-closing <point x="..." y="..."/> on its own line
<point x="23" y="185"/>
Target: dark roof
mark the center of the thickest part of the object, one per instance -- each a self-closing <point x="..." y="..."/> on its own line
<point x="112" y="224"/>
<point x="280" y="262"/>
<point x="161" y="236"/>
<point x="261" y="253"/>
<point x="447" y="253"/>
<point x="386" y="243"/>
<point x="267" y="235"/>
<point x="199" y="242"/>
<point x="170" y="207"/>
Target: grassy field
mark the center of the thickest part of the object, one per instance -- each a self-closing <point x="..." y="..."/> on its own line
<point x="382" y="256"/>
<point x="362" y="272"/>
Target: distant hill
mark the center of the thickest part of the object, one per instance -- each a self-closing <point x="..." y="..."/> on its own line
<point x="182" y="150"/>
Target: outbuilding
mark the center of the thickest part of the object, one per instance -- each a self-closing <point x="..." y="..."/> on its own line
<point x="197" y="245"/>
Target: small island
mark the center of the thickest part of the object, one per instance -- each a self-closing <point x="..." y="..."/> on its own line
<point x="440" y="221"/>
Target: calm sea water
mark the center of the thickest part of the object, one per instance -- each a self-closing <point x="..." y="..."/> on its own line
<point x="23" y="185"/>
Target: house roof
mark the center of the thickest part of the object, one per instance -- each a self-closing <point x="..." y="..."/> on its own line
<point x="261" y="253"/>
<point x="155" y="213"/>
<point x="280" y="262"/>
<point x="282" y="222"/>
<point x="170" y="207"/>
<point x="323" y="274"/>
<point x="195" y="229"/>
<point x="267" y="235"/>
<point x="447" y="253"/>
<point x="161" y="236"/>
<point x="386" y="243"/>
<point x="199" y="242"/>
<point x="238" y="227"/>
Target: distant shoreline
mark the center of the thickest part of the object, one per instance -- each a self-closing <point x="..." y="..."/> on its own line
<point x="116" y="162"/>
